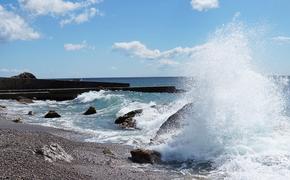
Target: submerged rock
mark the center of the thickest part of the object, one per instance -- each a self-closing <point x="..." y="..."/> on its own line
<point x="25" y="75"/>
<point x="2" y="107"/>
<point x="24" y="100"/>
<point x="52" y="114"/>
<point x="127" y="120"/>
<point x="54" y="152"/>
<point x="174" y="121"/>
<point x="145" y="156"/>
<point x="91" y="110"/>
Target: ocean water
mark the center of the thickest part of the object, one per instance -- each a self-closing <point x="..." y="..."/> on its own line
<point x="238" y="127"/>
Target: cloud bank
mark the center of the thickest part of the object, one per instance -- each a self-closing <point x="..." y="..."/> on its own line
<point x="167" y="57"/>
<point x="13" y="27"/>
<point x="204" y="5"/>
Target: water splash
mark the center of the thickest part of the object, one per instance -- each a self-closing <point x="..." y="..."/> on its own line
<point x="238" y="122"/>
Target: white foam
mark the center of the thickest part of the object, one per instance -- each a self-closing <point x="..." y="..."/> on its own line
<point x="238" y="120"/>
<point x="94" y="95"/>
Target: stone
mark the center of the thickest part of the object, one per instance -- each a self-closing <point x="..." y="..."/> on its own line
<point x="3" y="107"/>
<point x="52" y="114"/>
<point x="17" y="120"/>
<point x="145" y="156"/>
<point x="91" y="110"/>
<point x="30" y="113"/>
<point x="25" y="75"/>
<point x="127" y="120"/>
<point x="53" y="153"/>
<point x="174" y="122"/>
<point x="24" y="100"/>
<point x="107" y="151"/>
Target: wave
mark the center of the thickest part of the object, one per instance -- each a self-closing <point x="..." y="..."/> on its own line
<point x="239" y="123"/>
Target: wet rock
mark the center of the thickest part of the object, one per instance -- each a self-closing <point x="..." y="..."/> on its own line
<point x="24" y="100"/>
<point x="25" y="75"/>
<point x="174" y="121"/>
<point x="127" y="120"/>
<point x="145" y="156"/>
<point x="2" y="107"/>
<point x="30" y="113"/>
<point x="91" y="110"/>
<point x="52" y="114"/>
<point x="17" y="120"/>
<point x="53" y="153"/>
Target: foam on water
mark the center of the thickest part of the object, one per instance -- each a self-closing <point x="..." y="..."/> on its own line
<point x="100" y="127"/>
<point x="238" y="124"/>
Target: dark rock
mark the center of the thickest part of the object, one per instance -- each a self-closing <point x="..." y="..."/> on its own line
<point x="52" y="114"/>
<point x="30" y="113"/>
<point x="25" y="75"/>
<point x="18" y="120"/>
<point x="54" y="152"/>
<point x="24" y="100"/>
<point x="127" y="120"/>
<point x="174" y="121"/>
<point x="2" y="107"/>
<point x="91" y="110"/>
<point x="145" y="156"/>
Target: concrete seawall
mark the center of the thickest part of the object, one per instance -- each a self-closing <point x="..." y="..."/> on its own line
<point x="60" y="90"/>
<point x="19" y="84"/>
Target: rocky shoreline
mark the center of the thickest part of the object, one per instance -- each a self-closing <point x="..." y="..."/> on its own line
<point x="37" y="152"/>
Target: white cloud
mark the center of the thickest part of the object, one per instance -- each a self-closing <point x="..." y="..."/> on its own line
<point x="44" y="7"/>
<point x="281" y="39"/>
<point x="81" y="18"/>
<point x="67" y="11"/>
<point x="13" y="27"/>
<point x="77" y="47"/>
<point x="136" y="48"/>
<point x="203" y="5"/>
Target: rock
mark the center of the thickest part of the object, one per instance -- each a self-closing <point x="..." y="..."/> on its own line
<point x="24" y="100"/>
<point x="18" y="120"/>
<point x="52" y="114"/>
<point x="53" y="153"/>
<point x="107" y="151"/>
<point x="30" y="113"/>
<point x="127" y="120"/>
<point x="2" y="107"/>
<point x="174" y="121"/>
<point x="145" y="156"/>
<point x="91" y="110"/>
<point x="25" y="75"/>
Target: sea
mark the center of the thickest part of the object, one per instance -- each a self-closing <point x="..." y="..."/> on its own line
<point x="237" y="128"/>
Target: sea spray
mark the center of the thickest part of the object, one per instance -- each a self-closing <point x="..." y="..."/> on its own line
<point x="238" y="122"/>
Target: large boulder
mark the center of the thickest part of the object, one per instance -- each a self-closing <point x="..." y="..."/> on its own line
<point x="24" y="100"/>
<point x="25" y="75"/>
<point x="52" y="114"/>
<point x="91" y="110"/>
<point x="174" y="122"/>
<point x="145" y="156"/>
<point x="127" y="120"/>
<point x="54" y="152"/>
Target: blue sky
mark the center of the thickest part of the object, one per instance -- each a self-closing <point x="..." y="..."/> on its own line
<point x="105" y="38"/>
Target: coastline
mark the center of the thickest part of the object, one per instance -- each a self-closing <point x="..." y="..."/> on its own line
<point x="19" y="160"/>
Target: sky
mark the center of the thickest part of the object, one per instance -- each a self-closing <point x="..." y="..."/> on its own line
<point x="128" y="38"/>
